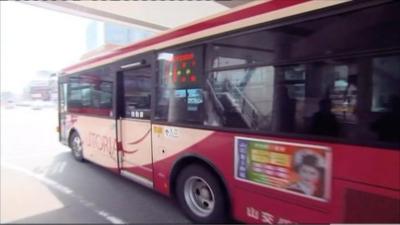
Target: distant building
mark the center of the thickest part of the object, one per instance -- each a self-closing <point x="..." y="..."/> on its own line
<point x="42" y="87"/>
<point x="101" y="33"/>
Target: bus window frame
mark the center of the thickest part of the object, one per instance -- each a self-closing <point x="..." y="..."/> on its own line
<point x="147" y="59"/>
<point x="121" y="89"/>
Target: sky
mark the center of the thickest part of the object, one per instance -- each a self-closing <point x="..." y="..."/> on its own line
<point x="33" y="39"/>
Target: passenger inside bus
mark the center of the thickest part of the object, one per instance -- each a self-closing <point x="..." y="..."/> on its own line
<point x="324" y="122"/>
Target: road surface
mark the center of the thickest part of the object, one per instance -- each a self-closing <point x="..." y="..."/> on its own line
<point x="42" y="183"/>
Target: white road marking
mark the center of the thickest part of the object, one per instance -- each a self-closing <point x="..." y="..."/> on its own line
<point x="54" y="169"/>
<point x="106" y="215"/>
<point x="62" y="166"/>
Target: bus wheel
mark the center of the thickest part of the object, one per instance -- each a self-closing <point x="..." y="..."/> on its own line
<point x="200" y="195"/>
<point x="76" y="146"/>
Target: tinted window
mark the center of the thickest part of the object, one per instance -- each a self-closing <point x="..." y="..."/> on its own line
<point x="90" y="94"/>
<point x="357" y="99"/>
<point x="386" y="76"/>
<point x="180" y="86"/>
<point x="386" y="98"/>
<point x="137" y="93"/>
<point x="240" y="98"/>
<point x="362" y="30"/>
<point x="318" y="98"/>
<point x="238" y="54"/>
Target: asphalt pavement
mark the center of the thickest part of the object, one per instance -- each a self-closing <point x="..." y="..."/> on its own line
<point x="42" y="183"/>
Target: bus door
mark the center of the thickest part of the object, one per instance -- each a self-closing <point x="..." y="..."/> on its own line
<point x="134" y="126"/>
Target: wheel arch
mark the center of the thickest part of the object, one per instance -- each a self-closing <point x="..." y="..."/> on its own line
<point x="192" y="158"/>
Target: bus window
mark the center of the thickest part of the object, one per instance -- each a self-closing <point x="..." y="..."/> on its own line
<point x="386" y="98"/>
<point x="386" y="78"/>
<point x="90" y="95"/>
<point x="354" y="99"/>
<point x="318" y="98"/>
<point x="241" y="98"/>
<point x="137" y="93"/>
<point x="180" y="89"/>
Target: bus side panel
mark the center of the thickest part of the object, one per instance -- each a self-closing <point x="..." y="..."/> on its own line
<point x="360" y="178"/>
<point x="136" y="148"/>
<point x="362" y="203"/>
<point x="98" y="137"/>
<point x="252" y="207"/>
<point x="374" y="166"/>
<point x="351" y="203"/>
<point x="170" y="143"/>
<point x="258" y="203"/>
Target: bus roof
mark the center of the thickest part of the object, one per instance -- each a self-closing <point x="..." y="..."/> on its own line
<point x="215" y="23"/>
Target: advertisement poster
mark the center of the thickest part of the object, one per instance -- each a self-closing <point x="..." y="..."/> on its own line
<point x="290" y="167"/>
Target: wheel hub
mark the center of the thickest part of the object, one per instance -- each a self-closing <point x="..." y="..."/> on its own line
<point x="77" y="146"/>
<point x="199" y="196"/>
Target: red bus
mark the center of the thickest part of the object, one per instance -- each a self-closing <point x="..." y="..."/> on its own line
<point x="275" y="112"/>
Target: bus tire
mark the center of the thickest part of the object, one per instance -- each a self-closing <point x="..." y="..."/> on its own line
<point x="75" y="143"/>
<point x="200" y="195"/>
